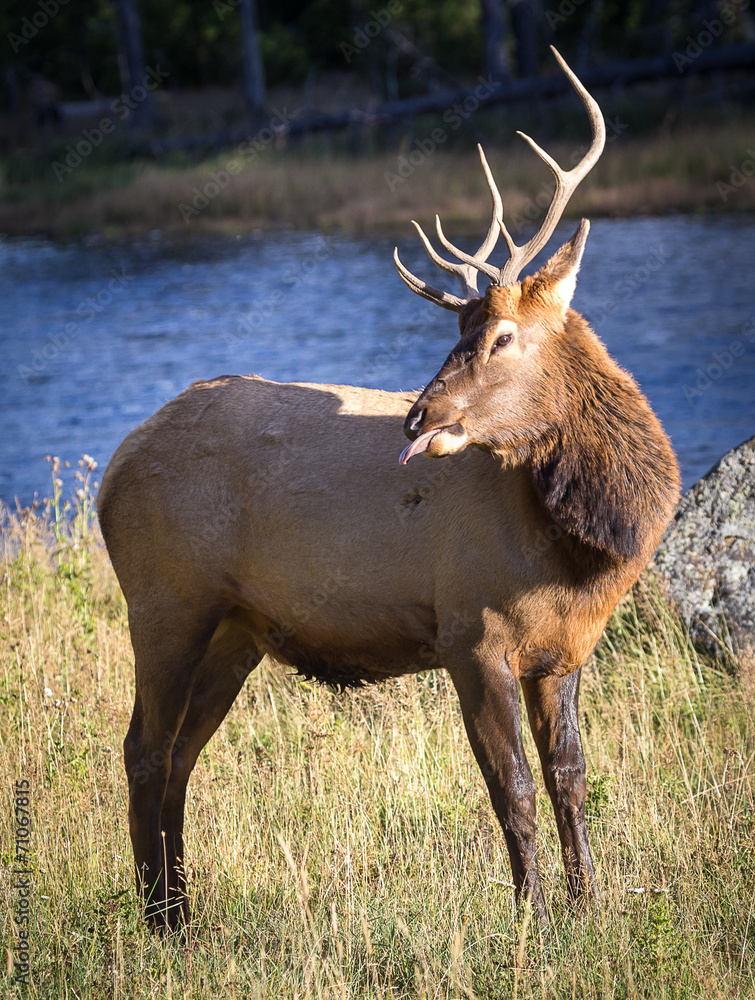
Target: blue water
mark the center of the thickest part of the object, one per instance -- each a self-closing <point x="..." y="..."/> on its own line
<point x="96" y="337"/>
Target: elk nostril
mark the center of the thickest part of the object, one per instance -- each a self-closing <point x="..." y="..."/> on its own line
<point x="413" y="423"/>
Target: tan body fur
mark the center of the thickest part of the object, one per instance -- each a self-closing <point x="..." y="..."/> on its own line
<point x="373" y="577"/>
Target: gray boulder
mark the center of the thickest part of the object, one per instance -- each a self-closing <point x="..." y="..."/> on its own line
<point x="706" y="560"/>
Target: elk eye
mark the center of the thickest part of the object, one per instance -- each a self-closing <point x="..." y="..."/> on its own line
<point x="503" y="341"/>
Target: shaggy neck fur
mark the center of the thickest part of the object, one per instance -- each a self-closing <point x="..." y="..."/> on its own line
<point x="605" y="469"/>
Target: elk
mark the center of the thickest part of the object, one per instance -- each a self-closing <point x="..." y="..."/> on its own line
<point x="226" y="511"/>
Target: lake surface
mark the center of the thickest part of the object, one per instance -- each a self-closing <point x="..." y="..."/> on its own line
<point x="96" y="337"/>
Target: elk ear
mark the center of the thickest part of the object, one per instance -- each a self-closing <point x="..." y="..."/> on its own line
<point x="561" y="270"/>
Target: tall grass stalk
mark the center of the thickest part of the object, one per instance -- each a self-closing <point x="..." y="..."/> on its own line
<point x="343" y="846"/>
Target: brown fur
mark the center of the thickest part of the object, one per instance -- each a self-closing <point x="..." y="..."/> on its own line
<point x="248" y="517"/>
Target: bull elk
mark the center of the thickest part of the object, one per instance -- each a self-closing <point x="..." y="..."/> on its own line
<point x="228" y="509"/>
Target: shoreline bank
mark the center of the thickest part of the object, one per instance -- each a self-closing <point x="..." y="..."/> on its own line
<point x="695" y="170"/>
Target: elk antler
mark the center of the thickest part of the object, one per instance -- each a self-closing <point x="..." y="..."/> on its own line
<point x="519" y="257"/>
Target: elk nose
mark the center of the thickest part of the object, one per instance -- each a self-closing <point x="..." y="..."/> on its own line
<point x="413" y="423"/>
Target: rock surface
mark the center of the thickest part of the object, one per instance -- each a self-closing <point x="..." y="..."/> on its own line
<point x="706" y="560"/>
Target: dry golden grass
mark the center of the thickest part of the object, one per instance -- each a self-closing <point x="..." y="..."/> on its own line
<point x="342" y="846"/>
<point x="285" y="188"/>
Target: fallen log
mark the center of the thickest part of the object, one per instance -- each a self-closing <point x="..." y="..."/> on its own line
<point x="487" y="93"/>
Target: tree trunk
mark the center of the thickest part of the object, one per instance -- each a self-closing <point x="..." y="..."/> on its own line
<point x="589" y="37"/>
<point x="254" y="72"/>
<point x="524" y="29"/>
<point x="132" y="60"/>
<point x="494" y="36"/>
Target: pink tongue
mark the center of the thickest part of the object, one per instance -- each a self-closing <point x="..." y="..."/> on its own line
<point x="417" y="446"/>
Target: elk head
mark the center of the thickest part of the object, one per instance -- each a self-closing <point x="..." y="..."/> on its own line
<point x="499" y="389"/>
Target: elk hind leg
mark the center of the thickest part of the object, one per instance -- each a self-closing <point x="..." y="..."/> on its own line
<point x="221" y="675"/>
<point x="169" y="644"/>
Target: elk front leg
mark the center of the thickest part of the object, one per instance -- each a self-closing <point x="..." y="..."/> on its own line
<point x="489" y="697"/>
<point x="552" y="707"/>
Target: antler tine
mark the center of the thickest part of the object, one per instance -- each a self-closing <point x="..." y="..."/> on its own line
<point x="466" y="270"/>
<point x="475" y="263"/>
<point x="566" y="183"/>
<point x="492" y="238"/>
<point x="466" y="275"/>
<point x="509" y="243"/>
<point x="444" y="299"/>
<point x="497" y="224"/>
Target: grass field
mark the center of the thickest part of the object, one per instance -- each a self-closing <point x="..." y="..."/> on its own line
<point x="687" y="168"/>
<point x="343" y="846"/>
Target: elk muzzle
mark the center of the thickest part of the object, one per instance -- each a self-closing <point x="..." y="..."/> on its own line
<point x="435" y="436"/>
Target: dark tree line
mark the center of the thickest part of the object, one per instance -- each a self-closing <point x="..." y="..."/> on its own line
<point x="404" y="48"/>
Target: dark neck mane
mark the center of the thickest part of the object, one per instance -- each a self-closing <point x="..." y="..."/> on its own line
<point x="605" y="471"/>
